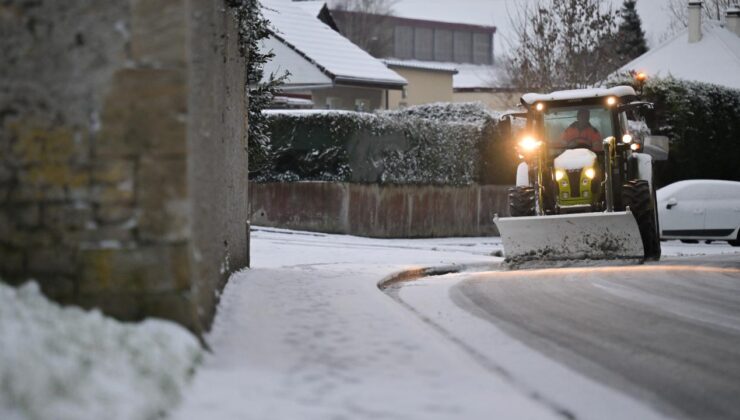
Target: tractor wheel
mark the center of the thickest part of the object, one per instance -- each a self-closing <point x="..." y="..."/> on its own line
<point x="736" y="242"/>
<point x="521" y="201"/>
<point x="640" y="198"/>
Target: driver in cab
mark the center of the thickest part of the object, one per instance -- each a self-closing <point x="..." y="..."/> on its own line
<point x="581" y="134"/>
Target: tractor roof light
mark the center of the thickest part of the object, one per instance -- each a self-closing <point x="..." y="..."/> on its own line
<point x="540" y="106"/>
<point x="627" y="138"/>
<point x="611" y="101"/>
<point x="559" y="174"/>
<point x="529" y="144"/>
<point x="590" y="173"/>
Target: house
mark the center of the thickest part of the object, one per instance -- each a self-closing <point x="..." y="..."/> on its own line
<point x="324" y="66"/>
<point x="407" y="44"/>
<point x="428" y="82"/>
<point x="706" y="52"/>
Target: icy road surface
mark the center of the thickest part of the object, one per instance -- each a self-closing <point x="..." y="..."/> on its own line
<point x="666" y="334"/>
<point x="307" y="334"/>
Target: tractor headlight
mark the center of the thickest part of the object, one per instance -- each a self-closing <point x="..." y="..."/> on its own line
<point x="529" y="144"/>
<point x="590" y="173"/>
<point x="627" y="138"/>
<point x="559" y="174"/>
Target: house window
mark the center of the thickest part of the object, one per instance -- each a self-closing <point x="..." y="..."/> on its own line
<point x="442" y="45"/>
<point x="423" y="43"/>
<point x="482" y="48"/>
<point x="463" y="47"/>
<point x="362" y="105"/>
<point x="404" y="42"/>
<point x="333" y="102"/>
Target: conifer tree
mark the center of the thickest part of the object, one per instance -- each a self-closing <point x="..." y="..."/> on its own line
<point x="630" y="36"/>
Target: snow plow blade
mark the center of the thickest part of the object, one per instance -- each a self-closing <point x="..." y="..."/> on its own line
<point x="595" y="236"/>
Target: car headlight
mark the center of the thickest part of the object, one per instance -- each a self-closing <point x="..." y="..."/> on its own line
<point x="559" y="174"/>
<point x="590" y="173"/>
<point x="529" y="144"/>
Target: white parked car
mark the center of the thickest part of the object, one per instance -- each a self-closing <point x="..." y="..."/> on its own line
<point x="700" y="209"/>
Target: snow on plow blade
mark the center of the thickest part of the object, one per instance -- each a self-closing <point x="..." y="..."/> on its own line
<point x="571" y="237"/>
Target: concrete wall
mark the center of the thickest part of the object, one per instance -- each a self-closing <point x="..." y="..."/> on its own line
<point x="347" y="96"/>
<point x="425" y="86"/>
<point x="378" y="211"/>
<point x="123" y="160"/>
<point x="499" y="101"/>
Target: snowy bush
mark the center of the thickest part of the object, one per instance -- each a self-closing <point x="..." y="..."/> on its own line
<point x="701" y="120"/>
<point x="429" y="144"/>
<point x="66" y="363"/>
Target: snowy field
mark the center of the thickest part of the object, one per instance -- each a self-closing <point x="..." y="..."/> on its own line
<point x="305" y="333"/>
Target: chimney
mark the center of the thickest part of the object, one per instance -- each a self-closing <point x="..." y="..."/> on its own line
<point x="732" y="19"/>
<point x="695" y="20"/>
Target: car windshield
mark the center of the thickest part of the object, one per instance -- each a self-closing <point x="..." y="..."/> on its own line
<point x="566" y="127"/>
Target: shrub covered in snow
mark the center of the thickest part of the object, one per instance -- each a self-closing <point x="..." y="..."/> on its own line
<point x="702" y="123"/>
<point x="66" y="363"/>
<point x="430" y="144"/>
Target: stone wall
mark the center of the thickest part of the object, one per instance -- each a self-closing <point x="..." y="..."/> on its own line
<point x="404" y="211"/>
<point x="123" y="154"/>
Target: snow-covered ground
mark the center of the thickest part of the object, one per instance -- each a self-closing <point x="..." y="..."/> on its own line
<point x="306" y="333"/>
<point x="69" y="364"/>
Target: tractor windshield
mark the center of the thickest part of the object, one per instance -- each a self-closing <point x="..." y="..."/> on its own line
<point x="578" y="126"/>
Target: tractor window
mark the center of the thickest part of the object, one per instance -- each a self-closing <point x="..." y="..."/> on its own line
<point x="562" y="128"/>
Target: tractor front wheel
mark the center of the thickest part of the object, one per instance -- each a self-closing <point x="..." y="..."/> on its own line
<point x="521" y="201"/>
<point x="639" y="197"/>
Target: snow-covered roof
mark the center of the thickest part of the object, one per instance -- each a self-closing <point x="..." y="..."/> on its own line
<point x="561" y="95"/>
<point x="312" y="7"/>
<point x="476" y="76"/>
<point x="467" y="76"/>
<point x="336" y="56"/>
<point x="422" y="65"/>
<point x="714" y="59"/>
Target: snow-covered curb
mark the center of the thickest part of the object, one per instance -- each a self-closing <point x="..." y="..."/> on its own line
<point x="67" y="363"/>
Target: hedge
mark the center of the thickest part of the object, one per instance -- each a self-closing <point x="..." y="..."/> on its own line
<point x="702" y="122"/>
<point x="430" y="144"/>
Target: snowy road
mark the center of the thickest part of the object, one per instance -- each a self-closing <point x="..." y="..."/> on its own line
<point x="307" y="334"/>
<point x="666" y="334"/>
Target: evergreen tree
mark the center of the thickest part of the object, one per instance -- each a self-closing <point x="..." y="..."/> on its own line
<point x="630" y="36"/>
<point x="253" y="27"/>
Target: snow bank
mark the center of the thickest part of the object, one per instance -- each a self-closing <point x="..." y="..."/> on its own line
<point x="67" y="363"/>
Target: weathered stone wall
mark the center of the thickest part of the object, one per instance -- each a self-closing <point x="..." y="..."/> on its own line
<point x="404" y="211"/>
<point x="122" y="153"/>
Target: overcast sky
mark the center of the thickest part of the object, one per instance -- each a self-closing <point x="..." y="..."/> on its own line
<point x="494" y="12"/>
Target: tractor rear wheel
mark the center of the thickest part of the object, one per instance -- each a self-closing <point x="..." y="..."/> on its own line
<point x="521" y="201"/>
<point x="736" y="242"/>
<point x="640" y="198"/>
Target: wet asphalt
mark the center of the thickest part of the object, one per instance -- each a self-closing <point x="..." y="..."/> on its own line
<point x="666" y="333"/>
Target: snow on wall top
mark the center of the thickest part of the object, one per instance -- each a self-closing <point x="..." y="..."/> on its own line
<point x="714" y="59"/>
<point x="618" y="91"/>
<point x="339" y="58"/>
